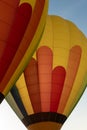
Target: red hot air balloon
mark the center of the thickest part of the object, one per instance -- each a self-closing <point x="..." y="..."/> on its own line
<point x="21" y="25"/>
<point x="7" y="15"/>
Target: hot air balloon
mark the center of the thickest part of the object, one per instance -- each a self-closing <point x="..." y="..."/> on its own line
<point x="55" y="78"/>
<point x="21" y="26"/>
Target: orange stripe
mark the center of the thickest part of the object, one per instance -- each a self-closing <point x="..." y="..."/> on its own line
<point x="45" y="60"/>
<point x="72" y="68"/>
<point x="12" y="3"/>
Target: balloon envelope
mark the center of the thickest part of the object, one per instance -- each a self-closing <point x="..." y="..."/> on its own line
<point x="7" y="15"/>
<point x="21" y="25"/>
<point x="55" y="78"/>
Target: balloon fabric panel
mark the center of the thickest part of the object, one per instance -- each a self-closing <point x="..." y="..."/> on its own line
<point x="7" y="14"/>
<point x="32" y="2"/>
<point x="46" y="80"/>
<point x="77" y="38"/>
<point x="21" y="20"/>
<point x="32" y="82"/>
<point x="12" y="3"/>
<point x="45" y="59"/>
<point x="17" y="98"/>
<point x="72" y="69"/>
<point x="58" y="78"/>
<point x="7" y="10"/>
<point x="23" y="92"/>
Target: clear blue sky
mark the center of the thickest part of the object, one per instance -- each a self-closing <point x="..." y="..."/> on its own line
<point x="74" y="10"/>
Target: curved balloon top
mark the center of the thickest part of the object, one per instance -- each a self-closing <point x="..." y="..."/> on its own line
<point x="55" y="78"/>
<point x="21" y="24"/>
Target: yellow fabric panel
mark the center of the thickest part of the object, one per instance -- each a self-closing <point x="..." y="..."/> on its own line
<point x="54" y="33"/>
<point x="31" y="2"/>
<point x="79" y="39"/>
<point x="76" y="36"/>
<point x="30" y="50"/>
<point x="9" y="98"/>
<point x="83" y="85"/>
<point x="61" y="36"/>
<point x="74" y="97"/>
<point x="23" y="92"/>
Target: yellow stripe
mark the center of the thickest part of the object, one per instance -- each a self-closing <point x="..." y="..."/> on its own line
<point x="31" y="2"/>
<point x="23" y="92"/>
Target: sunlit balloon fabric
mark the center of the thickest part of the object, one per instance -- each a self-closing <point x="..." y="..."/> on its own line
<point x="55" y="78"/>
<point x="21" y="26"/>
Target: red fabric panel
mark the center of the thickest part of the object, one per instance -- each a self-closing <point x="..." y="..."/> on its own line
<point x="7" y="14"/>
<point x="7" y="9"/>
<point x="32" y="82"/>
<point x="17" y="31"/>
<point x="58" y="77"/>
<point x="12" y="3"/>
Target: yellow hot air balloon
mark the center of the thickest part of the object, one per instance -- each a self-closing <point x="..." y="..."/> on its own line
<point x="55" y="78"/>
<point x="21" y="26"/>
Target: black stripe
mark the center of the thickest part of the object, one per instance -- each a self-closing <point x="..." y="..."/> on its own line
<point x="17" y="98"/>
<point x="1" y="97"/>
<point x="44" y="116"/>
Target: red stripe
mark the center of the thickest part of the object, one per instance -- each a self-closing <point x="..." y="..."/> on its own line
<point x="58" y="77"/>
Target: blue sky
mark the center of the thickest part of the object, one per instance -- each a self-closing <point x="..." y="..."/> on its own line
<point x="74" y="10"/>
